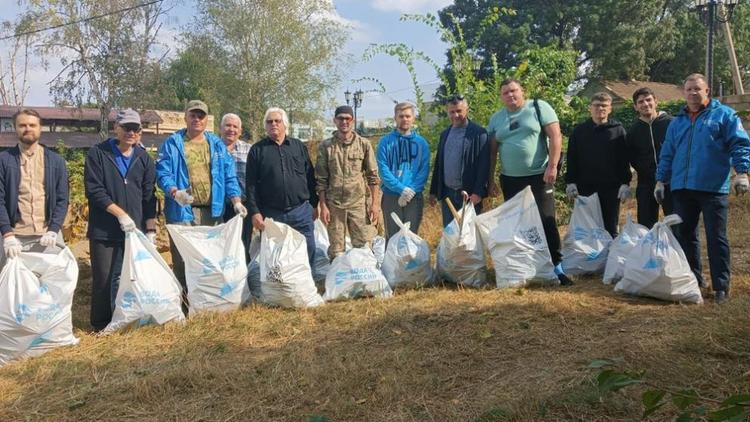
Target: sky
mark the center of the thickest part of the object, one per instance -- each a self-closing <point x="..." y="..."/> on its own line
<point x="372" y="22"/>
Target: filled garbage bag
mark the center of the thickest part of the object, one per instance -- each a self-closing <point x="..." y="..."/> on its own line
<point x="149" y="293"/>
<point x="657" y="267"/>
<point x="460" y="253"/>
<point x="36" y="296"/>
<point x="321" y="264"/>
<point x="285" y="276"/>
<point x="355" y="274"/>
<point x="407" y="258"/>
<point x="514" y="236"/>
<point x="215" y="268"/>
<point x="586" y="243"/>
<point x="631" y="233"/>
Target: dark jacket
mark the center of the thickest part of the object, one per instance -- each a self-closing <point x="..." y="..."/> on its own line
<point x="597" y="156"/>
<point x="105" y="186"/>
<point x="643" y="143"/>
<point x="55" y="189"/>
<point x="475" y="163"/>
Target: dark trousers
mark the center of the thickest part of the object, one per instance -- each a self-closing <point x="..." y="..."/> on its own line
<point x="458" y="201"/>
<point x="247" y="227"/>
<point x="648" y="208"/>
<point x="300" y="219"/>
<point x="609" y="202"/>
<point x="106" y="266"/>
<point x="412" y="213"/>
<point x="544" y="195"/>
<point x="689" y="204"/>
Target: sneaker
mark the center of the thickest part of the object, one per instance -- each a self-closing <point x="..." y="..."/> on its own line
<point x="564" y="280"/>
<point x="720" y="296"/>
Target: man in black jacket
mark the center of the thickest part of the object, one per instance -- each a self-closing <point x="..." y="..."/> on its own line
<point x="33" y="190"/>
<point x="119" y="179"/>
<point x="597" y="162"/>
<point x="462" y="161"/>
<point x="643" y="144"/>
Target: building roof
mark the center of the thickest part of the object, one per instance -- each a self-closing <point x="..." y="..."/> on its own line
<point x="75" y="113"/>
<point x="75" y="139"/>
<point x="623" y="90"/>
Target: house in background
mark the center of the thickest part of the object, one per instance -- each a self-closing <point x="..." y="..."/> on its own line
<point x="622" y="91"/>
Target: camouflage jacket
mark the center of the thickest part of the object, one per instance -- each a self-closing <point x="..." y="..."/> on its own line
<point x="343" y="170"/>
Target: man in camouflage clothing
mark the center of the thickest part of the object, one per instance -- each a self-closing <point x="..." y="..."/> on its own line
<point x="345" y="164"/>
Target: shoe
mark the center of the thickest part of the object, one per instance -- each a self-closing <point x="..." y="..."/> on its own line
<point x="720" y="296"/>
<point x="564" y="280"/>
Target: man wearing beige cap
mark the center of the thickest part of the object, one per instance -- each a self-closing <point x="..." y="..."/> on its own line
<point x="119" y="179"/>
<point x="197" y="175"/>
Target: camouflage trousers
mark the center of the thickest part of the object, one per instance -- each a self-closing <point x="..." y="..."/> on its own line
<point x="353" y="220"/>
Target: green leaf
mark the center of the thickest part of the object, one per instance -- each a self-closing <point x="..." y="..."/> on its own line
<point x="684" y="398"/>
<point x="725" y="414"/>
<point x="610" y="380"/>
<point x="741" y="399"/>
<point x="652" y="401"/>
<point x="599" y="363"/>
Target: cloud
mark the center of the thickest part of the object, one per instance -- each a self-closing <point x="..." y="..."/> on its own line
<point x="361" y="32"/>
<point x="410" y="6"/>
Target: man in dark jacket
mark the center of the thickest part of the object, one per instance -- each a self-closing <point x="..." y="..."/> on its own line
<point x="119" y="179"/>
<point x="462" y="161"/>
<point x="643" y="143"/>
<point x="597" y="162"/>
<point x="33" y="190"/>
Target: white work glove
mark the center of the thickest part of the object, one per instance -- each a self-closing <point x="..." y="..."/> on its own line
<point x="126" y="223"/>
<point x="240" y="209"/>
<point x="659" y="192"/>
<point x="406" y="195"/>
<point x="624" y="192"/>
<point x="12" y="247"/>
<point x="572" y="191"/>
<point x="151" y="236"/>
<point x="49" y="239"/>
<point x="741" y="184"/>
<point x="183" y="198"/>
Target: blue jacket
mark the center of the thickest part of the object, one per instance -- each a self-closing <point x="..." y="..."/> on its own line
<point x="55" y="189"/>
<point x="698" y="155"/>
<point x="171" y="171"/>
<point x="403" y="161"/>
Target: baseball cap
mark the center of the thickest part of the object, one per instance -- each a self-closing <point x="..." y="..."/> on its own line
<point x="197" y="105"/>
<point x="126" y="116"/>
<point x="344" y="109"/>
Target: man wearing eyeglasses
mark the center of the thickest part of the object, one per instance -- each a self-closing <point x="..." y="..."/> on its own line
<point x="33" y="190"/>
<point x="598" y="161"/>
<point x="527" y="134"/>
<point x="344" y="169"/>
<point x="280" y="180"/>
<point x="119" y="179"/>
<point x="197" y="175"/>
<point x="462" y="161"/>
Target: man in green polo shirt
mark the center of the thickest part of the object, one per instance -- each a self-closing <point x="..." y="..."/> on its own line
<point x="527" y="134"/>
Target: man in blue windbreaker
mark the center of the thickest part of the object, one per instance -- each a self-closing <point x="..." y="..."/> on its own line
<point x="403" y="162"/>
<point x="197" y="174"/>
<point x="702" y="143"/>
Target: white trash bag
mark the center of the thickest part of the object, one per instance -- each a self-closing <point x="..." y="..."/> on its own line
<point x="657" y="267"/>
<point x="215" y="268"/>
<point x="149" y="293"/>
<point x="378" y="249"/>
<point x="514" y="236"/>
<point x="36" y="296"/>
<point x="631" y="233"/>
<point x="356" y="274"/>
<point x="586" y="243"/>
<point x="407" y="258"/>
<point x="321" y="263"/>
<point x="285" y="276"/>
<point x="460" y="253"/>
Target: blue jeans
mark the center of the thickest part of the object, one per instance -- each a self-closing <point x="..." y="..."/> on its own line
<point x="458" y="201"/>
<point x="689" y="204"/>
<point x="300" y="219"/>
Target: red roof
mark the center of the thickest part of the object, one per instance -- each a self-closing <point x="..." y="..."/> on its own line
<point x="74" y="113"/>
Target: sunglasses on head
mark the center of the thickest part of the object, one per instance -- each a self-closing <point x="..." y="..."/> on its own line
<point x="454" y="99"/>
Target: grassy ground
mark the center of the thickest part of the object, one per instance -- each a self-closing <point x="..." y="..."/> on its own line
<point x="432" y="354"/>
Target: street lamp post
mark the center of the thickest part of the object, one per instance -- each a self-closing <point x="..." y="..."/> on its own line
<point x="357" y="102"/>
<point x="711" y="12"/>
<point x="347" y="96"/>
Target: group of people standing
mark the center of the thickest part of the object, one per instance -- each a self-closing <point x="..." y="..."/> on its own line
<point x="683" y="164"/>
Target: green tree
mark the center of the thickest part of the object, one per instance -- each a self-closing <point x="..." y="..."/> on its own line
<point x="244" y="56"/>
<point x="105" y="56"/>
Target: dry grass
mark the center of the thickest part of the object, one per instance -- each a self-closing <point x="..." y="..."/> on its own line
<point x="431" y="354"/>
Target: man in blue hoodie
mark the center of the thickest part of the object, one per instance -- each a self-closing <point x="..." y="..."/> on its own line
<point x="404" y="163"/>
<point x="197" y="174"/>
<point x="703" y="143"/>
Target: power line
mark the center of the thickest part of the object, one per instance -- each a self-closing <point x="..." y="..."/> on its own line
<point x="90" y="18"/>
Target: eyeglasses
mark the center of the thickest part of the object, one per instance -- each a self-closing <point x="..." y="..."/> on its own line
<point x="344" y="119"/>
<point x="131" y="127"/>
<point x="454" y="98"/>
<point x="272" y="121"/>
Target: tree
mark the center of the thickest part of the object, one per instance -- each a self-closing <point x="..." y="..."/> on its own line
<point x="244" y="56"/>
<point x="105" y="50"/>
<point x="15" y="65"/>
